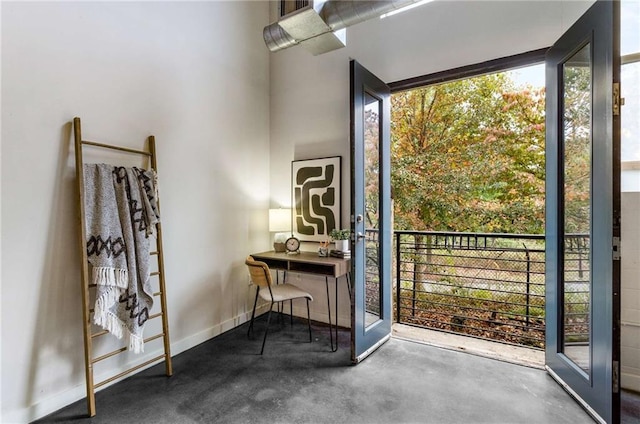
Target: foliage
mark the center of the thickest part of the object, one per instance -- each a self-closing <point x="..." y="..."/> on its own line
<point x="371" y="164"/>
<point x="577" y="148"/>
<point x="469" y="155"/>
<point x="336" y="234"/>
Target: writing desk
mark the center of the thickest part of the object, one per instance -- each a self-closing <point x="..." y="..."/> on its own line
<point x="311" y="263"/>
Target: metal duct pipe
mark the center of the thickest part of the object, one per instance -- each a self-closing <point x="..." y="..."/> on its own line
<point x="276" y="38"/>
<point x="337" y="14"/>
<point x="342" y="14"/>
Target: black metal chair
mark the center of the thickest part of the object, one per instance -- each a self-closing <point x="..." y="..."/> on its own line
<point x="274" y="293"/>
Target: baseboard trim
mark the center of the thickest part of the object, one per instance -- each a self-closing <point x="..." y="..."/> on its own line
<point x="78" y="392"/>
<point x="319" y="316"/>
<point x="630" y="381"/>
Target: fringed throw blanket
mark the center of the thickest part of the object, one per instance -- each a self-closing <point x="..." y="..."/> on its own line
<point x="121" y="213"/>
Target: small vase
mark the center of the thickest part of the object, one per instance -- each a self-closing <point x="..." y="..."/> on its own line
<point x="342" y="245"/>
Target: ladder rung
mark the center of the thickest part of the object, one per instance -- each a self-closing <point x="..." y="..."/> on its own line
<point x="154" y="273"/>
<point x="157" y="336"/>
<point x="150" y="317"/>
<point x="130" y="370"/>
<point x="98" y="334"/>
<point x="122" y="349"/>
<point x="109" y="355"/>
<point x="122" y="149"/>
<point x="153" y="253"/>
<point x="157" y="293"/>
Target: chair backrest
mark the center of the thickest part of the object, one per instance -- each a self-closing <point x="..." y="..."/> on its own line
<point x="259" y="272"/>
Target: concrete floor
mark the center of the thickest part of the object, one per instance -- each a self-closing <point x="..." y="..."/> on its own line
<point x="225" y="380"/>
<point x="629" y="400"/>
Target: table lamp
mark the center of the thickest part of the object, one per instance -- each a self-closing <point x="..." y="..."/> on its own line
<point x="279" y="221"/>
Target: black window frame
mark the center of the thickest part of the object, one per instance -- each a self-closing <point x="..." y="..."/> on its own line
<point x="507" y="63"/>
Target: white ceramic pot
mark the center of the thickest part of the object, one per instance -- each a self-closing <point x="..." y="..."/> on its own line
<point x="342" y="245"/>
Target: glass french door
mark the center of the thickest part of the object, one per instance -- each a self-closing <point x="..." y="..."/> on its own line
<point x="583" y="211"/>
<point x="370" y="213"/>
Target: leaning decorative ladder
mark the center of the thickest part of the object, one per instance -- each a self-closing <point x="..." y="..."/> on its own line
<point x="86" y="311"/>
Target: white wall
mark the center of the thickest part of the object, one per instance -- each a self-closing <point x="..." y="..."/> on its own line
<point x="630" y="293"/>
<point x="194" y="74"/>
<point x="310" y="94"/>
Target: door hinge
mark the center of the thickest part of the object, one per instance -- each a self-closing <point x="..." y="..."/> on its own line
<point x="616" y="99"/>
<point x="615" y="377"/>
<point x="616" y="248"/>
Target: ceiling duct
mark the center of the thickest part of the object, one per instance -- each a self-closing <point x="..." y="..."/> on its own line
<point x="321" y="26"/>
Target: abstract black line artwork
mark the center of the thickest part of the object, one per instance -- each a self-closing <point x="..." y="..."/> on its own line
<point x="315" y="186"/>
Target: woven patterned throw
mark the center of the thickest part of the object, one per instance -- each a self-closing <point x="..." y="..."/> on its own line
<point x="121" y="213"/>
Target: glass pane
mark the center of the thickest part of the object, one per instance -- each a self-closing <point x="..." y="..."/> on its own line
<point x="630" y="86"/>
<point x="630" y="121"/>
<point x="372" y="190"/>
<point x="629" y="28"/>
<point x="576" y="296"/>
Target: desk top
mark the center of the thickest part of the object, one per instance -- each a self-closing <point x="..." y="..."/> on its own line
<point x="308" y="262"/>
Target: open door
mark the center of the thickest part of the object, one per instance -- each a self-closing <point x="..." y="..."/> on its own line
<point x="370" y="213"/>
<point x="583" y="211"/>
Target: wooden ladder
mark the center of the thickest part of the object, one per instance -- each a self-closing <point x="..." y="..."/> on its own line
<point x="89" y="336"/>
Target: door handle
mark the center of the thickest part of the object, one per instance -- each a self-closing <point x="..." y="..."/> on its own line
<point x="361" y="236"/>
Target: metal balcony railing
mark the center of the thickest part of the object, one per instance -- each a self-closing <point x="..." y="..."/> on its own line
<point x="489" y="286"/>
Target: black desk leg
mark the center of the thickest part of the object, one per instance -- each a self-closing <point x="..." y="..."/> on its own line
<point x="331" y="330"/>
<point x="335" y="280"/>
<point x="280" y="306"/>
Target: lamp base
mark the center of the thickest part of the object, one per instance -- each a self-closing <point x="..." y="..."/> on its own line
<point x="279" y="242"/>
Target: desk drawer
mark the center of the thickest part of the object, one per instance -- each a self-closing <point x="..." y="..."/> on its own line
<point x="274" y="263"/>
<point x="312" y="268"/>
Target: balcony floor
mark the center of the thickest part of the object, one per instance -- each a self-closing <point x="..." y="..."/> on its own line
<point x="488" y="349"/>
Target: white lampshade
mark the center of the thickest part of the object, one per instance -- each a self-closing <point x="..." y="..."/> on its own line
<point x="279" y="220"/>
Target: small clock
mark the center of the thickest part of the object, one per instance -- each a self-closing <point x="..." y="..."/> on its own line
<point x="293" y="245"/>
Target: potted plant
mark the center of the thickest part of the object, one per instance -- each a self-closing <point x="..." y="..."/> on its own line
<point x="341" y="239"/>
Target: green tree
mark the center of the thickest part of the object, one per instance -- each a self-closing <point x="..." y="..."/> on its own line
<point x="469" y="156"/>
<point x="577" y="148"/>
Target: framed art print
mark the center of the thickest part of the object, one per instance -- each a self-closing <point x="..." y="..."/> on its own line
<point x="315" y="192"/>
